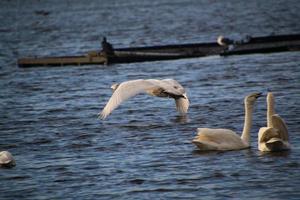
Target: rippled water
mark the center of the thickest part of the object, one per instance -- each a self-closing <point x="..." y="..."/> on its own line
<point x="49" y="122"/>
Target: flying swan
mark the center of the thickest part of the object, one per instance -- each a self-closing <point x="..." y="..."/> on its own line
<point x="224" y="139"/>
<point x="166" y="88"/>
<point x="275" y="136"/>
<point x="6" y="159"/>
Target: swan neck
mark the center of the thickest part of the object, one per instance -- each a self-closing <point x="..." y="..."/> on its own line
<point x="247" y="123"/>
<point x="270" y="111"/>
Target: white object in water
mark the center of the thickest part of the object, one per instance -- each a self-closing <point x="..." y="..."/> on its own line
<point x="275" y="136"/>
<point x="6" y="159"/>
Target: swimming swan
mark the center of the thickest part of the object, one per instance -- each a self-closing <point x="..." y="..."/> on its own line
<point x="167" y="88"/>
<point x="275" y="136"/>
<point x="6" y="159"/>
<point x="225" y="139"/>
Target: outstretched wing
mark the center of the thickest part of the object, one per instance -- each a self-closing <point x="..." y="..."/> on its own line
<point x="279" y="124"/>
<point x="124" y="91"/>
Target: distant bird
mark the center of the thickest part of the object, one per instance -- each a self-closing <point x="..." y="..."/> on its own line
<point x="166" y="88"/>
<point x="6" y="159"/>
<point x="224" y="139"/>
<point x="222" y="41"/>
<point x="107" y="48"/>
<point x="275" y="136"/>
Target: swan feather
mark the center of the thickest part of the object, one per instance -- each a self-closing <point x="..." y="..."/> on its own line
<point x="221" y="139"/>
<point x="279" y="124"/>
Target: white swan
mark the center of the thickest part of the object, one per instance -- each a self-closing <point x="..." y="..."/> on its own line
<point x="225" y="139"/>
<point x="275" y="136"/>
<point x="6" y="159"/>
<point x="167" y="88"/>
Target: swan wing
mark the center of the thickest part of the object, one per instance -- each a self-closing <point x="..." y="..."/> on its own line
<point x="124" y="91"/>
<point x="215" y="131"/>
<point x="267" y="133"/>
<point x="205" y="145"/>
<point x="277" y="144"/>
<point x="174" y="88"/>
<point x="279" y="124"/>
<point x="274" y="140"/>
<point x="223" y="137"/>
<point x="182" y="104"/>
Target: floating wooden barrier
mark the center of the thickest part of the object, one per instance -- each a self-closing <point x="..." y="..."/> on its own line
<point x="266" y="44"/>
<point x="61" y="61"/>
<point x="269" y="44"/>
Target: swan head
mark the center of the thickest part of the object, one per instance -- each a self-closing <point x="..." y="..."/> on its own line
<point x="114" y="86"/>
<point x="250" y="99"/>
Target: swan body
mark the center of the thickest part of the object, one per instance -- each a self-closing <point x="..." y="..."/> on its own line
<point x="218" y="139"/>
<point x="166" y="88"/>
<point x="274" y="137"/>
<point x="224" y="139"/>
<point x="6" y="159"/>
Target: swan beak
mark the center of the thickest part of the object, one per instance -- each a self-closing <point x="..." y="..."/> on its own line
<point x="257" y="95"/>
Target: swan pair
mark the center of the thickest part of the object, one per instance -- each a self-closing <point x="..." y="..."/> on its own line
<point x="224" y="139"/>
<point x="6" y="159"/>
<point x="271" y="138"/>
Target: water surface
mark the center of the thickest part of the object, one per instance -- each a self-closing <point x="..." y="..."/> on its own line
<point x="143" y="150"/>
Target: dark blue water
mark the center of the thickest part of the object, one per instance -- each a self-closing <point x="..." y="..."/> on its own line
<point x="49" y="122"/>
